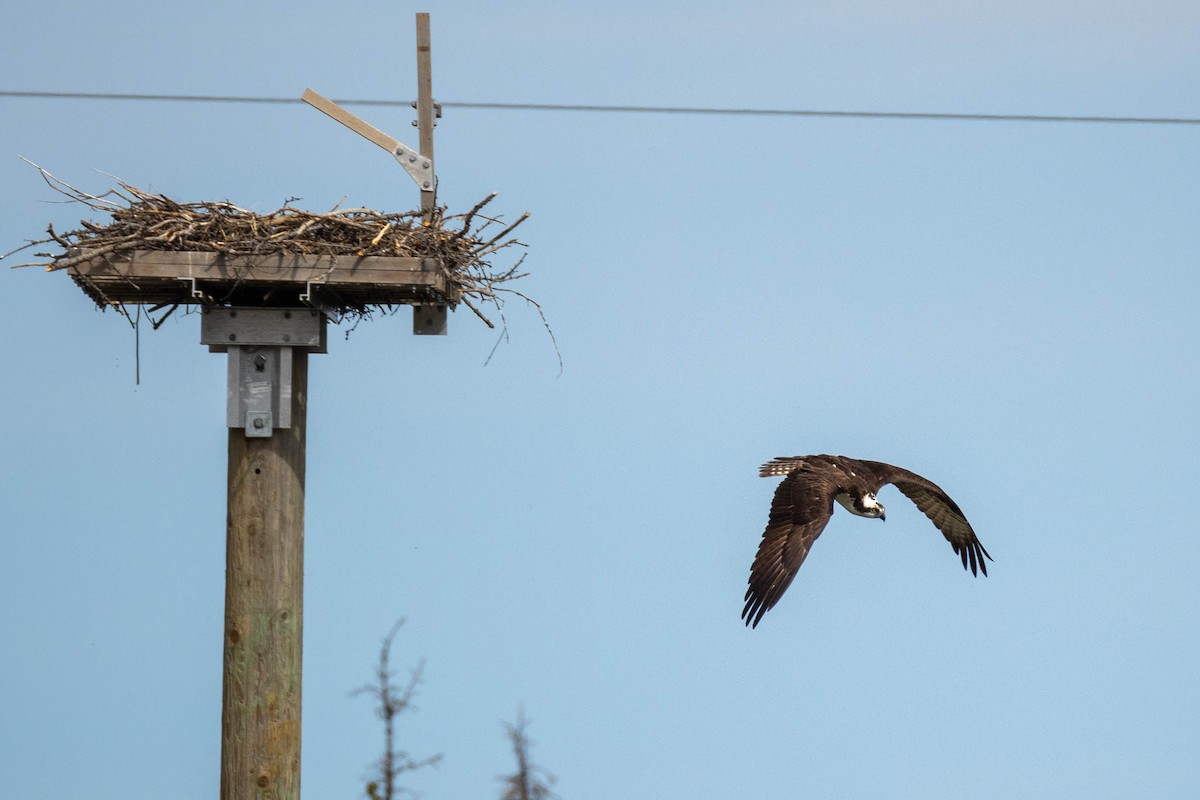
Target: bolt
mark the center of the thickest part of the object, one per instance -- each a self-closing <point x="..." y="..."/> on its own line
<point x="287" y="315"/>
<point x="260" y="363"/>
<point x="412" y="159"/>
<point x="425" y="184"/>
<point x="258" y="423"/>
<point x="287" y="337"/>
<point x="233" y="337"/>
<point x="425" y="165"/>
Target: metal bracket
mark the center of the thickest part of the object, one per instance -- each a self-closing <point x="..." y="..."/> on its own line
<point x="306" y="296"/>
<point x="282" y="327"/>
<point x="196" y="292"/>
<point x="317" y="295"/>
<point x="437" y="113"/>
<point x="418" y="167"/>
<point x="259" y="342"/>
<point x="429" y="320"/>
<point x="259" y="393"/>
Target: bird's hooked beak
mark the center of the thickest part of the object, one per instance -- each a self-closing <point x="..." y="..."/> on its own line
<point x="883" y="516"/>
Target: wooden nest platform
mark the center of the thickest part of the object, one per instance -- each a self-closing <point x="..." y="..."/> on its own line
<point x="343" y="283"/>
<point x="160" y="253"/>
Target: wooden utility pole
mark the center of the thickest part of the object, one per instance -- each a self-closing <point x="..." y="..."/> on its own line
<point x="428" y="318"/>
<point x="268" y="313"/>
<point x="425" y="111"/>
<point x="266" y="412"/>
<point x="264" y="577"/>
<point x="264" y="606"/>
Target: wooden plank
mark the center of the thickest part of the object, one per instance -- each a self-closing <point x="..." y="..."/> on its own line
<point x="424" y="85"/>
<point x="284" y="268"/>
<point x="359" y="126"/>
<point x="425" y="118"/>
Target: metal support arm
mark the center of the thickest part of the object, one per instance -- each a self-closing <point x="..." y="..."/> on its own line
<point x="418" y="166"/>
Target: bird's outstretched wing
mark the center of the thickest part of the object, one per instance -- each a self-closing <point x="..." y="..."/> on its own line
<point x="782" y="465"/>
<point x="800" y="510"/>
<point x="942" y="511"/>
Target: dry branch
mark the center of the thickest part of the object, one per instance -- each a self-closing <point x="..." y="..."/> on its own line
<point x="391" y="702"/>
<point x="530" y="781"/>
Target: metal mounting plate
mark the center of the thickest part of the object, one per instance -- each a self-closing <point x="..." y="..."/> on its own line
<point x="280" y="327"/>
<point x="419" y="167"/>
<point x="429" y="320"/>
<point x="258" y="425"/>
<point x="259" y="342"/>
<point x="259" y="389"/>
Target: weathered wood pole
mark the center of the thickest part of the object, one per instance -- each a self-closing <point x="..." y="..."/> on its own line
<point x="264" y="601"/>
<point x="425" y="112"/>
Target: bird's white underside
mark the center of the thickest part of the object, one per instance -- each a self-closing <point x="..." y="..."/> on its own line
<point x="870" y="504"/>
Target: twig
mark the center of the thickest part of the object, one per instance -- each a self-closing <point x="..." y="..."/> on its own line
<point x="67" y="189"/>
<point x="470" y="215"/>
<point x="478" y="313"/>
<point x="505" y="232"/>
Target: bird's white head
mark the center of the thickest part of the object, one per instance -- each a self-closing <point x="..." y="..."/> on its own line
<point x="865" y="505"/>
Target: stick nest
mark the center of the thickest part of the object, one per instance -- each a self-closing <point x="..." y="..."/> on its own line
<point x="141" y="220"/>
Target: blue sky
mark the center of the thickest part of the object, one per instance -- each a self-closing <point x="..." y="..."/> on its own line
<point x="1007" y="308"/>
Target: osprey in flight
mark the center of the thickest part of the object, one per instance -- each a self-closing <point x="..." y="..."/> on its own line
<point x="803" y="505"/>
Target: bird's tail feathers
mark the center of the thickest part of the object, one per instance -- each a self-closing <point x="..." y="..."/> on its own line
<point x="781" y="466"/>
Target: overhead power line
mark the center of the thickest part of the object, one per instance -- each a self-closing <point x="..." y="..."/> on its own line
<point x="796" y="112"/>
<point x="636" y="109"/>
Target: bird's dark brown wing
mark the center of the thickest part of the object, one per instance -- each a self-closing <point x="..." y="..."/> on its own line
<point x="802" y="506"/>
<point x="942" y="511"/>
